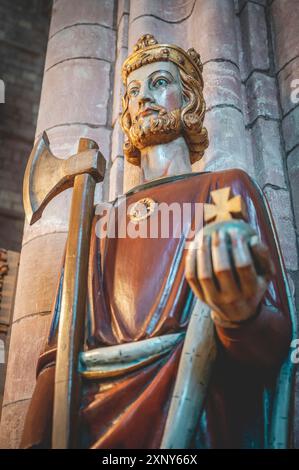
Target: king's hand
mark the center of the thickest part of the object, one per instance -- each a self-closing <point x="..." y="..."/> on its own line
<point x="229" y="268"/>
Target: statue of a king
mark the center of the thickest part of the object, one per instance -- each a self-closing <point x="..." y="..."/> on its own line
<point x="154" y="373"/>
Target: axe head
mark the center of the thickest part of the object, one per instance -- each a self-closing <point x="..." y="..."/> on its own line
<point x="46" y="176"/>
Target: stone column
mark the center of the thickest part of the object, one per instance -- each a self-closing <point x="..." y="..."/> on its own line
<point x="76" y="99"/>
<point x="225" y="116"/>
<point x="117" y="158"/>
<point x="263" y="118"/>
<point x="285" y="19"/>
<point x="190" y="25"/>
<point x="168" y="21"/>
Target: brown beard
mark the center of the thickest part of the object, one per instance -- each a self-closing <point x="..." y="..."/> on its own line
<point x="161" y="129"/>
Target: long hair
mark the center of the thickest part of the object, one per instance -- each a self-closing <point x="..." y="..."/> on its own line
<point x="192" y="117"/>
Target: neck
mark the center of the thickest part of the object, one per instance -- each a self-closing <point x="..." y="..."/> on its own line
<point x="163" y="160"/>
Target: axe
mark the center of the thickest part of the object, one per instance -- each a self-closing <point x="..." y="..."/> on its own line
<point x="45" y="177"/>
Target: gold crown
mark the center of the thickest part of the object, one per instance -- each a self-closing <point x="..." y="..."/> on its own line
<point x="147" y="50"/>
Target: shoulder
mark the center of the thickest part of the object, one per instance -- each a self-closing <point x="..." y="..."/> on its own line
<point x="239" y="182"/>
<point x="227" y="177"/>
<point x="231" y="173"/>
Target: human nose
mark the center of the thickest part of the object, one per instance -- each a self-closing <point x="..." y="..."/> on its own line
<point x="145" y="95"/>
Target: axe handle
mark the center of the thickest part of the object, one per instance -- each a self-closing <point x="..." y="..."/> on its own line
<point x="72" y="315"/>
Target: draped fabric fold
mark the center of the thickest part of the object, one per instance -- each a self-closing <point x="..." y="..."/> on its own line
<point x="137" y="290"/>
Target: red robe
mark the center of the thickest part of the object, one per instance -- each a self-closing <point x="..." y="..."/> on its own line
<point x="137" y="290"/>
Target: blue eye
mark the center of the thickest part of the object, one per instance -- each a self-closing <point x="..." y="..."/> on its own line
<point x="133" y="92"/>
<point x="161" y="82"/>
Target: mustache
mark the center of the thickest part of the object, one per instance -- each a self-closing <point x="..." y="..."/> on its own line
<point x="165" y="120"/>
<point x="153" y="107"/>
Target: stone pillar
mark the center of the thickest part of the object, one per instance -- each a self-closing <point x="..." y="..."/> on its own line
<point x="285" y="29"/>
<point x="285" y="19"/>
<point x="190" y="25"/>
<point x="76" y="101"/>
<point x="263" y="118"/>
<point x="168" y="21"/>
<point x="225" y="114"/>
<point x="117" y="158"/>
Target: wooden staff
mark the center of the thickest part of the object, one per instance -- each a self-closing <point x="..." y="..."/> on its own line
<point x="45" y="177"/>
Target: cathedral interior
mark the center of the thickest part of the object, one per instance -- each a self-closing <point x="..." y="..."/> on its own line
<point x="60" y="71"/>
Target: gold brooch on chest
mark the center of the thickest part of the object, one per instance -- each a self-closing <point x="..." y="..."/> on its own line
<point x="142" y="209"/>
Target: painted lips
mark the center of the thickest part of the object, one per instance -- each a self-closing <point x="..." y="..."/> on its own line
<point x="147" y="112"/>
<point x="150" y="110"/>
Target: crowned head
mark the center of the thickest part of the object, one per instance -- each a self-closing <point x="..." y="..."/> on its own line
<point x="163" y="98"/>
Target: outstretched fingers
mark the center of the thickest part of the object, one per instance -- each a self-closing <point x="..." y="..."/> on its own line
<point x="244" y="265"/>
<point x="222" y="267"/>
<point x="262" y="258"/>
<point x="191" y="271"/>
<point x="205" y="270"/>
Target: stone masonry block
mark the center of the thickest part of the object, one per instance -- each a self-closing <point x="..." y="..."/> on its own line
<point x="279" y="201"/>
<point x="254" y="38"/>
<point x="98" y="194"/>
<point x="290" y="125"/>
<point x="208" y="15"/>
<point x="12" y="423"/>
<point x="161" y="30"/>
<point x="245" y="107"/>
<point x="117" y="141"/>
<point x="293" y="170"/>
<point x="262" y="97"/>
<point x="118" y="86"/>
<point x="227" y="147"/>
<point x="268" y="153"/>
<point x="67" y="13"/>
<point x="132" y="175"/>
<point x="116" y="178"/>
<point x="70" y="96"/>
<point x="285" y="15"/>
<point x="55" y="218"/>
<point x="64" y="139"/>
<point x="81" y="41"/>
<point x="222" y="84"/>
<point x="40" y="264"/>
<point x="167" y="10"/>
<point x="122" y="33"/>
<point x="289" y="86"/>
<point x="27" y="341"/>
<point x="123" y="8"/>
<point x="218" y="17"/>
<point x="241" y="3"/>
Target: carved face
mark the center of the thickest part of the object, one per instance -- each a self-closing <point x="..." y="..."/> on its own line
<point x="152" y="88"/>
<point x="154" y="100"/>
<point x="161" y="103"/>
